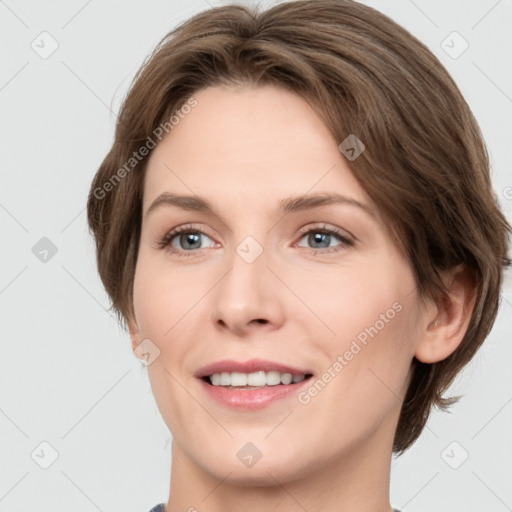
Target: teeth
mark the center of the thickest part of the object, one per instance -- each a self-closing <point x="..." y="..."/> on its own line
<point x="238" y="379"/>
<point x="286" y="378"/>
<point x="273" y="378"/>
<point x="256" y="379"/>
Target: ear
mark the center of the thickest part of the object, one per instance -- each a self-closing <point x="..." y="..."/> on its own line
<point x="134" y="333"/>
<point x="446" y="322"/>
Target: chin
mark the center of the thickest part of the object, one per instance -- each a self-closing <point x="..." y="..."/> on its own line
<point x="267" y="471"/>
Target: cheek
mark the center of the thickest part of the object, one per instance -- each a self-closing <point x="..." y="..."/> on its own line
<point x="351" y="301"/>
<point x="372" y="314"/>
<point x="162" y="298"/>
<point x="161" y="302"/>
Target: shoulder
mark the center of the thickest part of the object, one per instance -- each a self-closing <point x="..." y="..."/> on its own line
<point x="158" y="508"/>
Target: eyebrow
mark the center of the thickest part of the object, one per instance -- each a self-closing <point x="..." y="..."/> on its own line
<point x="289" y="205"/>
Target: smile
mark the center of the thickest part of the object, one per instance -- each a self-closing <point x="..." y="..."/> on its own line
<point x="255" y="380"/>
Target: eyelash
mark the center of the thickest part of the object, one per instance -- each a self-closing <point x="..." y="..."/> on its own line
<point x="166" y="240"/>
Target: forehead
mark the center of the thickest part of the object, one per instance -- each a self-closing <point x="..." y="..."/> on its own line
<point x="252" y="143"/>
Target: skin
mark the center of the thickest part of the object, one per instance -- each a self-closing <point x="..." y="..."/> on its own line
<point x="300" y="303"/>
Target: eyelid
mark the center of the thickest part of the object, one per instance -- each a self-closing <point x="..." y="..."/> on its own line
<point x="345" y="238"/>
<point x="325" y="226"/>
<point x="164" y="241"/>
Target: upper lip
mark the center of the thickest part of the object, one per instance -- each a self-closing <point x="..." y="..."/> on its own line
<point x="250" y="366"/>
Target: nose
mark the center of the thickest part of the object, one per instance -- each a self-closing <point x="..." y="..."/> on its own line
<point x="249" y="298"/>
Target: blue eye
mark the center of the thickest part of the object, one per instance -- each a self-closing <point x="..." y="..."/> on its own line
<point x="189" y="240"/>
<point x="318" y="237"/>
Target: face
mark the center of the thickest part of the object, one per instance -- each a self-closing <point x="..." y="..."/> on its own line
<point x="306" y="287"/>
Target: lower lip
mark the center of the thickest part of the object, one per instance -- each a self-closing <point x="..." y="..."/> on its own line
<point x="251" y="399"/>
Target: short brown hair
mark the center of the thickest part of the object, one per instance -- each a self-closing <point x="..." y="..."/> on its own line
<point x="425" y="164"/>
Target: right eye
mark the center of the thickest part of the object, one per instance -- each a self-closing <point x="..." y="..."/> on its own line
<point x="185" y="236"/>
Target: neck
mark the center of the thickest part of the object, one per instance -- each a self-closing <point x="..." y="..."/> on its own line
<point x="355" y="481"/>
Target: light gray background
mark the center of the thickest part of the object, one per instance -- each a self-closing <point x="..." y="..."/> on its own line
<point x="67" y="373"/>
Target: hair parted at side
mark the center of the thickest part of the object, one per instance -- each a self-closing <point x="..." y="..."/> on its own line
<point x="425" y="164"/>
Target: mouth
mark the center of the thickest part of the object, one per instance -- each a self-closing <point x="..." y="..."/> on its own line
<point x="251" y="385"/>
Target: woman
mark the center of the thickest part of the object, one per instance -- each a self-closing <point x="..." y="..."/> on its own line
<point x="297" y="226"/>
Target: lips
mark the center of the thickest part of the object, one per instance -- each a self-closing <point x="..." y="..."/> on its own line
<point x="247" y="398"/>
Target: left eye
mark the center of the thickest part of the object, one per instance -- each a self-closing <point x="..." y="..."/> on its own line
<point x="321" y="238"/>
